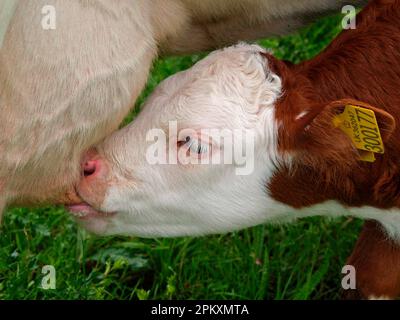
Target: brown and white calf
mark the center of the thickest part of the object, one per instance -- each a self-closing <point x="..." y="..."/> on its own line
<point x="64" y="89"/>
<point x="304" y="163"/>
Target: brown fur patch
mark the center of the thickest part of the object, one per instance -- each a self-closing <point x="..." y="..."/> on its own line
<point x="360" y="67"/>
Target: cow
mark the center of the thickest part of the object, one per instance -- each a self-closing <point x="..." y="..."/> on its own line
<point x="325" y="143"/>
<point x="70" y="71"/>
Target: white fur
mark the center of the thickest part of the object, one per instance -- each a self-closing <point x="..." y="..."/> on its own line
<point x="301" y="115"/>
<point x="231" y="88"/>
<point x="389" y="218"/>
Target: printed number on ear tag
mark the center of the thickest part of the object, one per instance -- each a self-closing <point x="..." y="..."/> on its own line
<point x="361" y="126"/>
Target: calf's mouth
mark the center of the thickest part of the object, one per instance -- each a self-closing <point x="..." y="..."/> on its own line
<point x="84" y="211"/>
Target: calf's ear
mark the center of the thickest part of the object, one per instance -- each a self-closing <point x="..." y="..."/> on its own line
<point x="385" y="121"/>
<point x="318" y="130"/>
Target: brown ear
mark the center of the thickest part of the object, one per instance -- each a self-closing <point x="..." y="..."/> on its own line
<point x="314" y="131"/>
<point x="386" y="121"/>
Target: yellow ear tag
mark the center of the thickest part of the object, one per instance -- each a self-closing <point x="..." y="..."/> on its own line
<point x="360" y="125"/>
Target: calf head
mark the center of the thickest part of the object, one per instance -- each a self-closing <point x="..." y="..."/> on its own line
<point x="237" y="140"/>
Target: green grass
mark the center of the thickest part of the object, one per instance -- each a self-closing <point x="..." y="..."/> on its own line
<point x="298" y="261"/>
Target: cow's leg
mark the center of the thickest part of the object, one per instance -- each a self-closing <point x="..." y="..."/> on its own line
<point x="376" y="259"/>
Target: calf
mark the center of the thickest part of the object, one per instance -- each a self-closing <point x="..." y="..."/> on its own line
<point x="64" y="88"/>
<point x="308" y="157"/>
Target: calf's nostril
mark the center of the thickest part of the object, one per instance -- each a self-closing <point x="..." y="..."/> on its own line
<point x="89" y="168"/>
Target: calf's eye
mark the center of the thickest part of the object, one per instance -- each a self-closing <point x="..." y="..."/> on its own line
<point x="194" y="145"/>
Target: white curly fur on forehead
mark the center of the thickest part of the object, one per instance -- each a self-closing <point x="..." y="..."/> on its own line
<point x="240" y="53"/>
<point x="240" y="67"/>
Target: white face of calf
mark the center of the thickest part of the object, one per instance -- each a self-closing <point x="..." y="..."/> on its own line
<point x="231" y="92"/>
<point x="205" y="155"/>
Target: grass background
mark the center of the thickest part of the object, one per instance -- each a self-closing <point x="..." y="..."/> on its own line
<point x="297" y="261"/>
